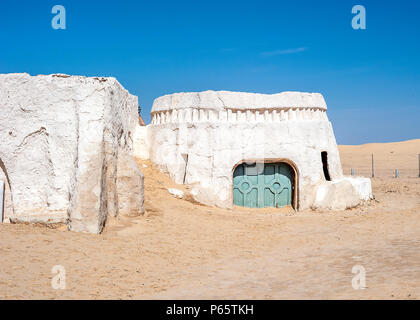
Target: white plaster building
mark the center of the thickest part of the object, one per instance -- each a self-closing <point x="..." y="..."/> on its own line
<point x="254" y="150"/>
<point x="66" y="150"/>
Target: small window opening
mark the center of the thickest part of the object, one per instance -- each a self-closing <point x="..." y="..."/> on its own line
<point x="324" y="157"/>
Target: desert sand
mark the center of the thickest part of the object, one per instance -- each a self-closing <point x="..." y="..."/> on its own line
<point x="183" y="250"/>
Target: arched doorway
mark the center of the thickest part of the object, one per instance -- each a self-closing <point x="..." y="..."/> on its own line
<point x="265" y="184"/>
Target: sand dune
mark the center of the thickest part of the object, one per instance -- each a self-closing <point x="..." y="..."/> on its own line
<point x="403" y="156"/>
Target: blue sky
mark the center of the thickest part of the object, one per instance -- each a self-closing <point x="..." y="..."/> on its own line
<point x="369" y="78"/>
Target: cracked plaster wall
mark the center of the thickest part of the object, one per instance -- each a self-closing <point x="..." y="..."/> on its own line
<point x="65" y="146"/>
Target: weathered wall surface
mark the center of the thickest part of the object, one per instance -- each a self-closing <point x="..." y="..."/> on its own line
<point x="198" y="138"/>
<point x="62" y="142"/>
<point x="344" y="193"/>
<point x="141" y="142"/>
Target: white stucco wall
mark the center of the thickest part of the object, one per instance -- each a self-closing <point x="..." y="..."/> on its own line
<point x="141" y="142"/>
<point x="66" y="142"/>
<point x="198" y="138"/>
<point x="344" y="193"/>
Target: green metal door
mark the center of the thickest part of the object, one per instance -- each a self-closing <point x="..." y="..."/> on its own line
<point x="262" y="185"/>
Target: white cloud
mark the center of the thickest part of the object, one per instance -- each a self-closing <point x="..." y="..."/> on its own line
<point x="284" y="51"/>
<point x="227" y="49"/>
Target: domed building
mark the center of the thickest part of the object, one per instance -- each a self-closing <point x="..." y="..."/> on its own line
<point x="251" y="150"/>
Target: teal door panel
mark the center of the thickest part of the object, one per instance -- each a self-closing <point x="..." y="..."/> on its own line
<point x="255" y="186"/>
<point x="269" y="198"/>
<point x="239" y="197"/>
<point x="251" y="198"/>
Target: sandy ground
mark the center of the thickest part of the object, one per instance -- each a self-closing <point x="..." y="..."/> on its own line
<point x="184" y="250"/>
